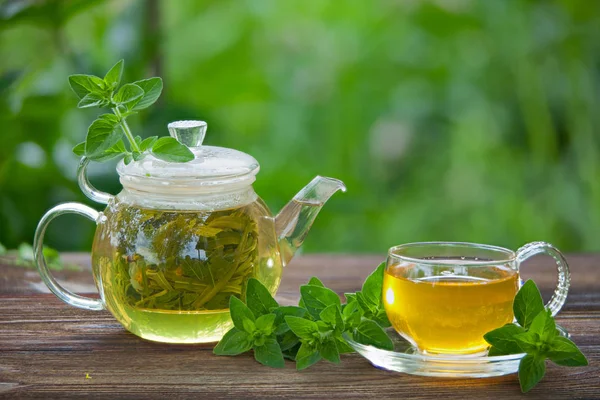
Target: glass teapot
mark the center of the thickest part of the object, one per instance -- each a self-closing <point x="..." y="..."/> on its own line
<point x="181" y="238"/>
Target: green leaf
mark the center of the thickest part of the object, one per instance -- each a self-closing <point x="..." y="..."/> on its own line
<point x="282" y="312"/>
<point x="349" y="309"/>
<point x="50" y="254"/>
<point x="52" y="257"/>
<point x="543" y="324"/>
<point x="381" y="318"/>
<point x="25" y="257"/>
<point x="493" y="351"/>
<point x="301" y="303"/>
<point x="303" y="328"/>
<point x="113" y="76"/>
<point x="565" y="352"/>
<point x="109" y="118"/>
<point x="25" y="252"/>
<point x="290" y="354"/>
<point x="259" y="339"/>
<point x="329" y="351"/>
<point x="315" y="282"/>
<point x="269" y="354"/>
<point x="233" y="343"/>
<point x="352" y="315"/>
<point x="331" y="314"/>
<point x="287" y="340"/>
<point x="116" y="151"/>
<point x="307" y="355"/>
<point x="289" y="310"/>
<point x="137" y="156"/>
<point x="169" y="149"/>
<point x="323" y="326"/>
<point x="503" y="340"/>
<point x="258" y="298"/>
<point x="79" y="149"/>
<point x="147" y="143"/>
<point x="82" y="85"/>
<point x="240" y="312"/>
<point x="528" y="304"/>
<point x="152" y="88"/>
<point x="373" y="287"/>
<point x="92" y="100"/>
<point x="265" y="323"/>
<point x="128" y="158"/>
<point x="529" y="341"/>
<point x="370" y="333"/>
<point x="365" y="305"/>
<point x="102" y="134"/>
<point x="343" y="346"/>
<point x="350" y="297"/>
<point x="531" y="371"/>
<point x="248" y="326"/>
<point x="317" y="298"/>
<point x="128" y="93"/>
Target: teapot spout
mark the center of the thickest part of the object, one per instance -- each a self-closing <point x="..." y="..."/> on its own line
<point x="295" y="219"/>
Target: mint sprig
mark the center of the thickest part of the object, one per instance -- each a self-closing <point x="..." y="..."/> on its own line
<point x="108" y="134"/>
<point x="313" y="330"/>
<point x="536" y="335"/>
<point x="310" y="332"/>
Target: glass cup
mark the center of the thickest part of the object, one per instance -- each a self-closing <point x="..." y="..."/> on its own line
<point x="443" y="297"/>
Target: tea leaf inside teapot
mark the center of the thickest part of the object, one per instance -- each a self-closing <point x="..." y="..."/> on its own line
<point x="182" y="261"/>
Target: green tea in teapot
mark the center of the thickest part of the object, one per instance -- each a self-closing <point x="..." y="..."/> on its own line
<point x="168" y="275"/>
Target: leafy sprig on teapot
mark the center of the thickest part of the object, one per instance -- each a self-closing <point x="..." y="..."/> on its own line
<point x="109" y="136"/>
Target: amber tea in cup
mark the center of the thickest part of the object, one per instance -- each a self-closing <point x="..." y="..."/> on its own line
<point x="443" y="297"/>
<point x="449" y="313"/>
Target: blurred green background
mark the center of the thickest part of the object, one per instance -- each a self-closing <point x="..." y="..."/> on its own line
<point x="448" y="120"/>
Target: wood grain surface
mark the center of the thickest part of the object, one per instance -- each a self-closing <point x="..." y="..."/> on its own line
<point x="51" y="350"/>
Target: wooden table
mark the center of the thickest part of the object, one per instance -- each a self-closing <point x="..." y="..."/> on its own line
<point x="51" y="350"/>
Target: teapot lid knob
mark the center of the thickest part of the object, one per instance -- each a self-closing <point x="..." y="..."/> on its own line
<point x="189" y="133"/>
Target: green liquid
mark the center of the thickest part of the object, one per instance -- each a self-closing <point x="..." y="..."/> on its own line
<point x="177" y="326"/>
<point x="168" y="275"/>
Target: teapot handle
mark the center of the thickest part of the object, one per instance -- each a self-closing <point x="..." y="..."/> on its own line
<point x="87" y="188"/>
<point x="38" y="255"/>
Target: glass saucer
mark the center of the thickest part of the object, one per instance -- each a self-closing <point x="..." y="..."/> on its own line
<point x="405" y="358"/>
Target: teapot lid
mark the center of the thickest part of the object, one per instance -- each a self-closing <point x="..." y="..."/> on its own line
<point x="212" y="168"/>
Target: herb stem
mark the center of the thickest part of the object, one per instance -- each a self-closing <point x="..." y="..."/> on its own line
<point x="127" y="131"/>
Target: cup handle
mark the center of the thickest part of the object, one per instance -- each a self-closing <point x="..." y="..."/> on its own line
<point x="564" y="276"/>
<point x="87" y="188"/>
<point x="38" y="255"/>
